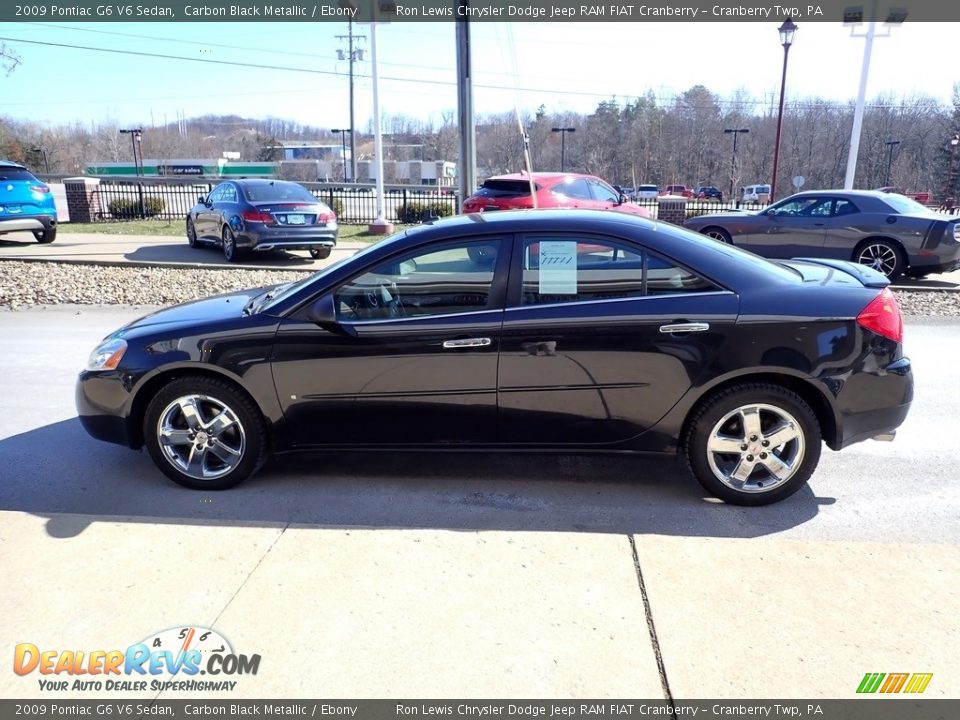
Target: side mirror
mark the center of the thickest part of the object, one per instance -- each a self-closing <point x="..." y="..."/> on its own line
<point x="623" y="199"/>
<point x="202" y="199"/>
<point x="323" y="313"/>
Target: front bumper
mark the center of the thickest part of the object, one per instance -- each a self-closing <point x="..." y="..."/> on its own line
<point x="102" y="407"/>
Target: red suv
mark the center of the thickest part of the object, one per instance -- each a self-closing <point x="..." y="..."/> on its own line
<point x="553" y="190"/>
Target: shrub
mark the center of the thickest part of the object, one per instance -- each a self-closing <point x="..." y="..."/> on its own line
<point x="418" y="212"/>
<point x="126" y="208"/>
<point x="337" y="206"/>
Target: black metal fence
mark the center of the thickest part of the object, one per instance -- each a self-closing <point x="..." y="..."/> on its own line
<point x="353" y="204"/>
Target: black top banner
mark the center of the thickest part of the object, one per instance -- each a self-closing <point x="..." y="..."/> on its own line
<point x="364" y="11"/>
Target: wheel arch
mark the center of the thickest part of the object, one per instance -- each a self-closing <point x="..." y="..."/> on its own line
<point x="814" y="396"/>
<point x="152" y="385"/>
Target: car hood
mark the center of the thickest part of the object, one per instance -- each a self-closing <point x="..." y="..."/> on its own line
<point x="211" y="309"/>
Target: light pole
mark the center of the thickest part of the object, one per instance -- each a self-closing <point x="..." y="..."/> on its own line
<point x="46" y="165"/>
<point x="563" y="145"/>
<point x="733" y="158"/>
<point x="852" y="17"/>
<point x="343" y="147"/>
<point x="134" y="134"/>
<point x="786" y="31"/>
<point x="891" y="144"/>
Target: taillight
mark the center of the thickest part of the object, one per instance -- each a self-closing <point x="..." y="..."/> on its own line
<point x="257" y="216"/>
<point x="882" y="316"/>
<point x="325" y="218"/>
<point x="39" y="189"/>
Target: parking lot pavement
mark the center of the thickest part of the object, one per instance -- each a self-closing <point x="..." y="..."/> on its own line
<point x="500" y="576"/>
<point x="155" y="250"/>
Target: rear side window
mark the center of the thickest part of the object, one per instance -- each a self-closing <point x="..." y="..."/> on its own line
<point x="505" y="188"/>
<point x="567" y="269"/>
<point x="9" y="173"/>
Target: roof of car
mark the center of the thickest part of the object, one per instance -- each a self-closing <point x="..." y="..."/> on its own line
<point x="8" y="163"/>
<point x="539" y="176"/>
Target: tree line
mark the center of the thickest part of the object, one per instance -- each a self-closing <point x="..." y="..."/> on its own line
<point x="905" y="141"/>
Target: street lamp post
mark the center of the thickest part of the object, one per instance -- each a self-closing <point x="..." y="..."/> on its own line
<point x="135" y="138"/>
<point x="563" y="135"/>
<point x="733" y="158"/>
<point x="46" y="165"/>
<point x="891" y="144"/>
<point x="786" y="31"/>
<point x="343" y="148"/>
<point x="134" y="134"/>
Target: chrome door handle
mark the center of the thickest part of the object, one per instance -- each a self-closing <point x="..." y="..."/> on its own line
<point x="466" y="342"/>
<point x="684" y="328"/>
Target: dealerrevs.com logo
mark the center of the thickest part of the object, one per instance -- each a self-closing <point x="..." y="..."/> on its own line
<point x="172" y="659"/>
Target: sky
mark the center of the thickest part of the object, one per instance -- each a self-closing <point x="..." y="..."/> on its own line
<point x="562" y="66"/>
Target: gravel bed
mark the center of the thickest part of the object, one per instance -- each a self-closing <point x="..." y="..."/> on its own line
<point x="23" y="284"/>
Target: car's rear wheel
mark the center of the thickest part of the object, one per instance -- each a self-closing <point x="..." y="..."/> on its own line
<point x="192" y="234"/>
<point x="230" y="250"/>
<point x="718" y="234"/>
<point x="881" y="255"/>
<point x="45" y="236"/>
<point x="204" y="433"/>
<point x="320" y="253"/>
<point x="753" y="444"/>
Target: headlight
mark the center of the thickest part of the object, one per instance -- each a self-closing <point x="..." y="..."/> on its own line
<point x="107" y="355"/>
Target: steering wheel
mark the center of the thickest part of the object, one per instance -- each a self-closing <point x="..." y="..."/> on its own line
<point x="389" y="299"/>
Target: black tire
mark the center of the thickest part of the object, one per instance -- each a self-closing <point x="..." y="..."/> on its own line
<point x="718" y="234"/>
<point x="45" y="236"/>
<point x="882" y="255"/>
<point x="320" y="253"/>
<point x="192" y="239"/>
<point x="245" y="436"/>
<point x="725" y="420"/>
<point x="231" y="252"/>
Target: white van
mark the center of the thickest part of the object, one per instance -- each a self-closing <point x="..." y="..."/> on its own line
<point x="755" y="194"/>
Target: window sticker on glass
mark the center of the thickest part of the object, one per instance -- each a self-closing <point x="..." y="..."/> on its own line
<point x="558" y="268"/>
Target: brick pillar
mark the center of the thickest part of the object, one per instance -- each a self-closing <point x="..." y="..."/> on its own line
<point x="83" y="200"/>
<point x="672" y="209"/>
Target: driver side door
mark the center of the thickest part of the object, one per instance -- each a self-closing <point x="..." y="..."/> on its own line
<point x="412" y="359"/>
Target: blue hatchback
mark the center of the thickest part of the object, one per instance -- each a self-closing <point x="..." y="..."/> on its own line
<point x="26" y="203"/>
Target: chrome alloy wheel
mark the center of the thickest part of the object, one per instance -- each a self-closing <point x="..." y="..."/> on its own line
<point x="718" y="235"/>
<point x="755" y="448"/>
<point x="879" y="256"/>
<point x="201" y="437"/>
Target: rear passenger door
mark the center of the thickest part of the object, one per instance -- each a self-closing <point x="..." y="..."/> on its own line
<point x="600" y="339"/>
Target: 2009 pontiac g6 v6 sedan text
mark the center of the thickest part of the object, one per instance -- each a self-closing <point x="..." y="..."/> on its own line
<point x="572" y="331"/>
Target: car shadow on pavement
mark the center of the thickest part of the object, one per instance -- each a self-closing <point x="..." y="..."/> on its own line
<point x="59" y="472"/>
<point x="180" y="252"/>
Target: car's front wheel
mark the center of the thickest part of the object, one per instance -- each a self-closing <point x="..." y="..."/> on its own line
<point x="45" y="236"/>
<point x="320" y="253"/>
<point x="204" y="434"/>
<point x="753" y="444"/>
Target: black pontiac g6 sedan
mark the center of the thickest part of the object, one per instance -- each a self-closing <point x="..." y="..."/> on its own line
<point x="568" y="331"/>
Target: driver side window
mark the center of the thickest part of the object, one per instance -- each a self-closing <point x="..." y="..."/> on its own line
<point x="452" y="278"/>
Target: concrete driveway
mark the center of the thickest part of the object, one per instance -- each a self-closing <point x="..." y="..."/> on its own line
<point x="405" y="575"/>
